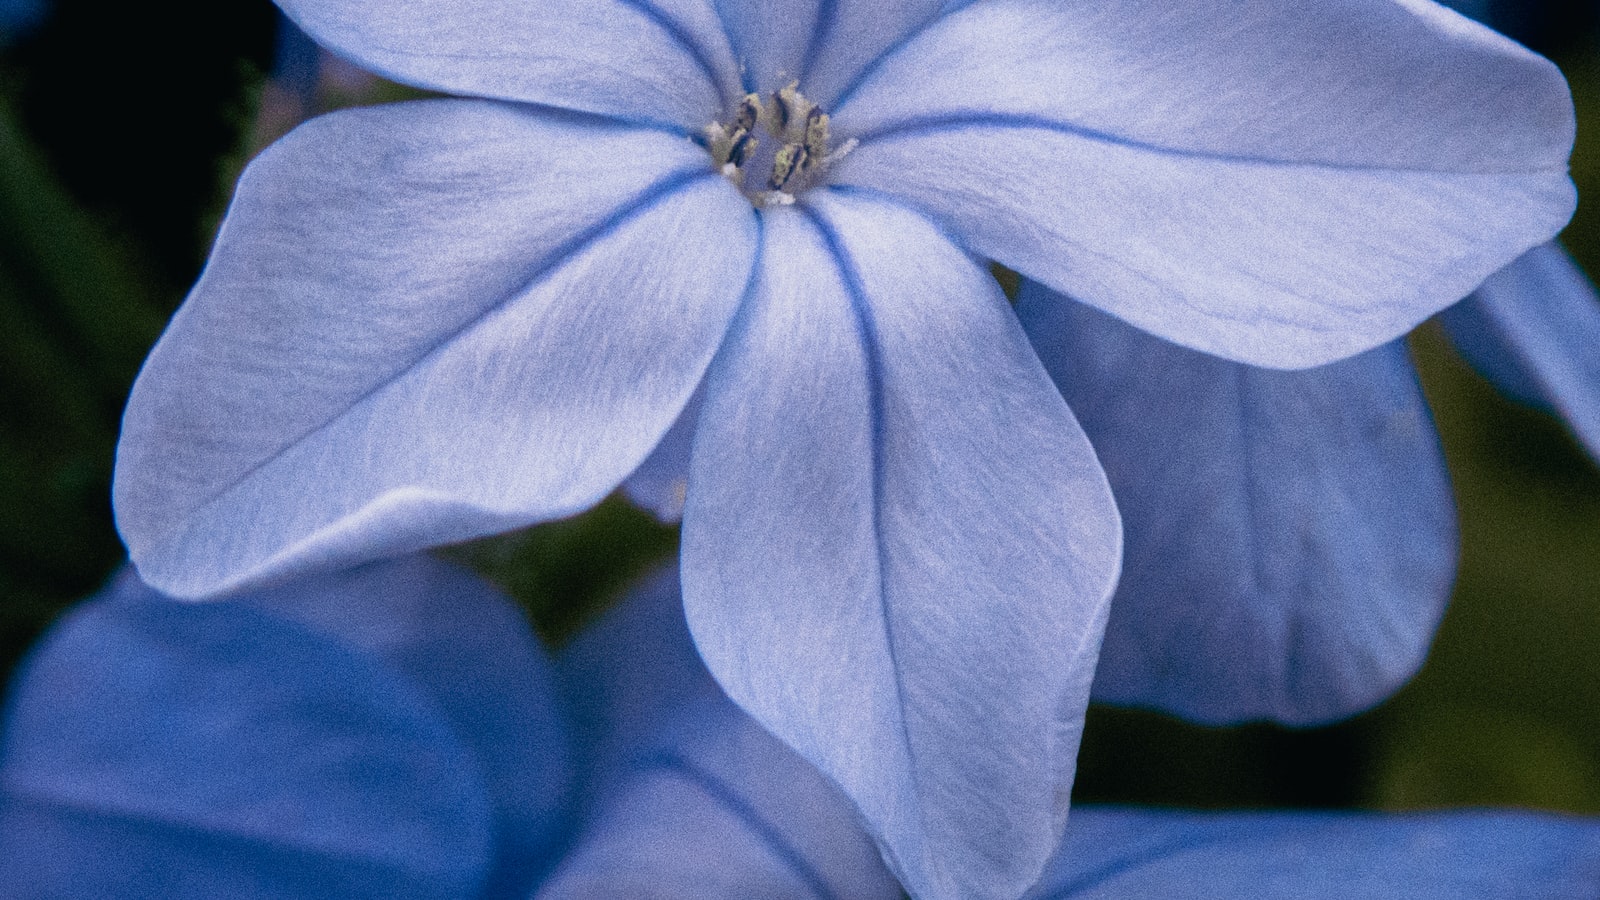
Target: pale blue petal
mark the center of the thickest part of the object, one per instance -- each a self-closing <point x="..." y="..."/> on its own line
<point x="1136" y="853"/>
<point x="661" y="483"/>
<point x="823" y="44"/>
<point x="898" y="547"/>
<point x="1284" y="185"/>
<point x="1534" y="329"/>
<point x="696" y="801"/>
<point x="1290" y="536"/>
<point x="475" y="654"/>
<point x="771" y="40"/>
<point x="1347" y="83"/>
<point x="160" y="749"/>
<point x="658" y="61"/>
<point x="425" y="323"/>
<point x="855" y="34"/>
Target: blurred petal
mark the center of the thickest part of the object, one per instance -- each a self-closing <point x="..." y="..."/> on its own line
<point x="1534" y="329"/>
<point x="661" y="483"/>
<point x="722" y="810"/>
<point x="628" y="674"/>
<point x="1337" y="856"/>
<point x="160" y="749"/>
<point x="421" y="324"/>
<point x="661" y="61"/>
<point x="475" y="654"/>
<point x="697" y="801"/>
<point x="898" y="546"/>
<point x="18" y="18"/>
<point x="1285" y="184"/>
<point x="1290" y="536"/>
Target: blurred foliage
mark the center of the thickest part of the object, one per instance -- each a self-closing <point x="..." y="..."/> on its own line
<point x="78" y="321"/>
<point x="565" y="573"/>
<point x="1506" y="705"/>
<point x="112" y="122"/>
<point x="119" y="141"/>
<point x="135" y="114"/>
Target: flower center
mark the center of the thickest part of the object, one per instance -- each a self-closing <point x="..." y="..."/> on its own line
<point x="786" y="136"/>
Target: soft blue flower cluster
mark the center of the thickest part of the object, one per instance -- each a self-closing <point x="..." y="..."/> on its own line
<point x="396" y="732"/>
<point x="733" y="254"/>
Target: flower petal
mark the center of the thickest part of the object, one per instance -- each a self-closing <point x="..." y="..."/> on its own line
<point x="474" y="652"/>
<point x="696" y="800"/>
<point x="1290" y="536"/>
<point x="1343" y="83"/>
<point x="661" y="483"/>
<point x="1283" y="185"/>
<point x="423" y="324"/>
<point x="1534" y="329"/>
<point x="1114" y="852"/>
<point x="722" y="809"/>
<point x="898" y="546"/>
<point x="823" y="44"/>
<point x="618" y="707"/>
<point x="160" y="749"/>
<point x="661" y="61"/>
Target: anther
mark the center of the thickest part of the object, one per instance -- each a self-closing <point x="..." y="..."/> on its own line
<point x="816" y="135"/>
<point x="732" y="145"/>
<point x="790" y="162"/>
<point x="789" y="106"/>
<point x="742" y="146"/>
<point x="749" y="113"/>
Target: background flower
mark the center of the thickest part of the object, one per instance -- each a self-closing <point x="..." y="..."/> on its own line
<point x="1130" y="853"/>
<point x="392" y="732"/>
<point x="1291" y="536"/>
<point x="387" y="732"/>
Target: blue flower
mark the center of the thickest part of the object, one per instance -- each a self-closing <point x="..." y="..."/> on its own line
<point x="394" y="732"/>
<point x="427" y="322"/>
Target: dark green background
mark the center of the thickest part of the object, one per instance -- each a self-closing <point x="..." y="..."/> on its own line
<point x="119" y="140"/>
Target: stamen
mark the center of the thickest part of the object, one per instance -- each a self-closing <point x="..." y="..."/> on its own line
<point x="800" y="128"/>
<point x="841" y="153"/>
<point x="732" y="145"/>
<point x="749" y="112"/>
<point x="816" y="133"/>
<point x="790" y="162"/>
<point x="789" y="106"/>
<point x="742" y="148"/>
